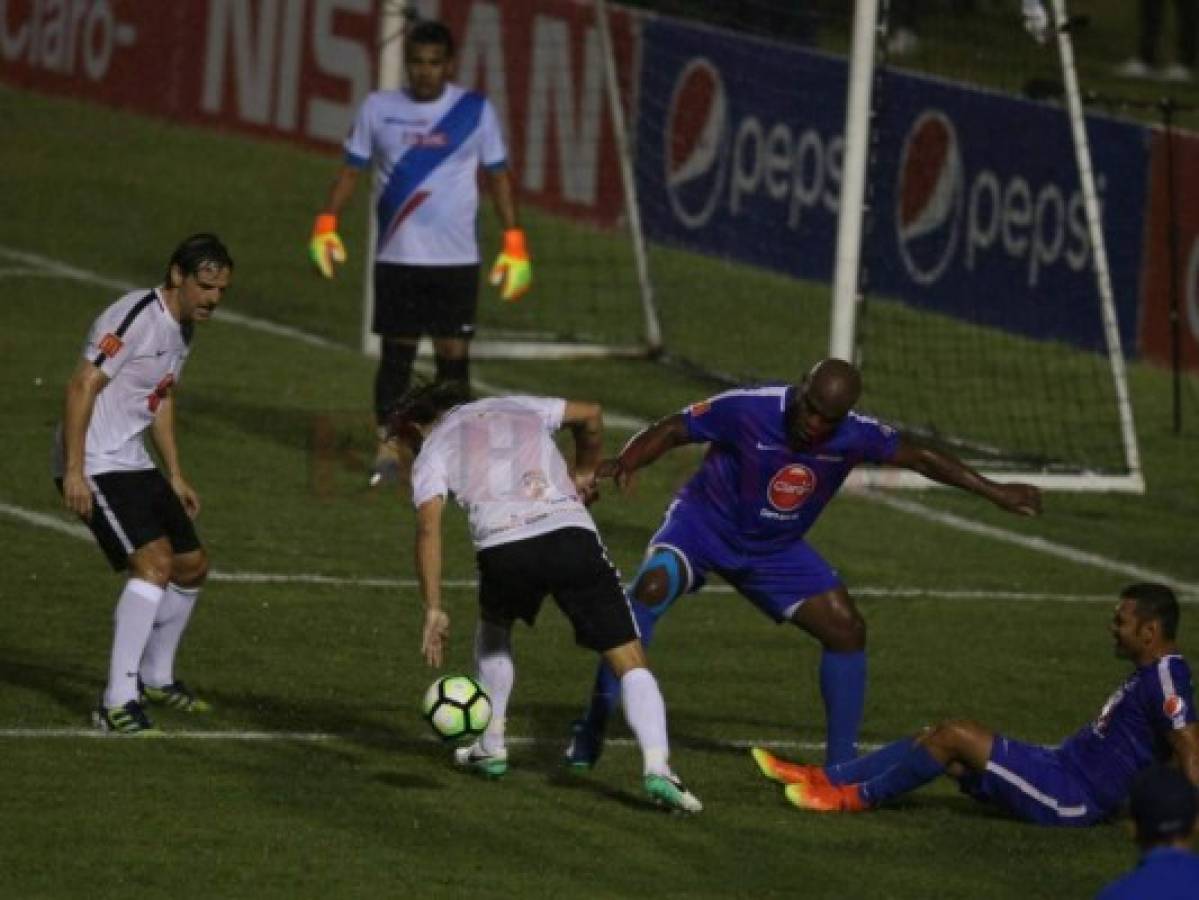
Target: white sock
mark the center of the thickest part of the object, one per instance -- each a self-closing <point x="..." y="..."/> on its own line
<point x="174" y="611"/>
<point x="645" y="711"/>
<point x="132" y="623"/>
<point x="493" y="656"/>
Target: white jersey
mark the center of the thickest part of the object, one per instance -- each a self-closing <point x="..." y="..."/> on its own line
<point x="499" y="460"/>
<point x="141" y="347"/>
<point x="426" y="156"/>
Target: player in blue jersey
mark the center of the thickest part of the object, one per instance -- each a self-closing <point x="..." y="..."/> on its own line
<point x="427" y="144"/>
<point x="776" y="456"/>
<point x="1149" y="718"/>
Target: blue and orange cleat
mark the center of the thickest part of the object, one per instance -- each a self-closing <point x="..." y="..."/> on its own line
<point x="829" y="798"/>
<point x="785" y="772"/>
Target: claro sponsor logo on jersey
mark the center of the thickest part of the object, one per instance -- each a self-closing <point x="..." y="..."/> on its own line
<point x="950" y="212"/>
<point x="790" y="487"/>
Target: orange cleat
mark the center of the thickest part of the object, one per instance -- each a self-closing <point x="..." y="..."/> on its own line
<point x="830" y="798"/>
<point x="788" y="772"/>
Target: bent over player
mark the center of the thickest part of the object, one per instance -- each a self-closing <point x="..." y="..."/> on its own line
<point x="533" y="536"/>
<point x="122" y="387"/>
<point x="1149" y="718"/>
<point x="776" y="456"/>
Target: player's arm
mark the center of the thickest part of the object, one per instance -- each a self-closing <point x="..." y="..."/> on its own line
<point x="586" y="423"/>
<point x="325" y="247"/>
<point x="162" y="432"/>
<point x="436" y="631"/>
<point x="512" y="267"/>
<point x="946" y="468"/>
<point x="1185" y="744"/>
<point x="644" y="448"/>
<point x="83" y="388"/>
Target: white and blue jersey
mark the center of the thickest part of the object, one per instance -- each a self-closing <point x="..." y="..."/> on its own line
<point x="426" y="157"/>
<point x="753" y="486"/>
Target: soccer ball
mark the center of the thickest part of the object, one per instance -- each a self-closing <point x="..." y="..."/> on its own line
<point x="457" y="707"/>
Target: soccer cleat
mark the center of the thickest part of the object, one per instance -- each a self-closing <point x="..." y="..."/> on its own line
<point x="386" y="467"/>
<point x="668" y="791"/>
<point x="175" y="695"/>
<point x="829" y="798"/>
<point x="586" y="745"/>
<point x="785" y="772"/>
<point x="475" y="758"/>
<point x="129" y="719"/>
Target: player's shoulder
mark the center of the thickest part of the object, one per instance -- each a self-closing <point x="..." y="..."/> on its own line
<point x="1169" y="675"/>
<point x="764" y="398"/>
<point x="132" y="309"/>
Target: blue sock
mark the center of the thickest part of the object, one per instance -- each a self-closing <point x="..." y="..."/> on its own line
<point x="605" y="695"/>
<point x="916" y="768"/>
<point x="843" y="687"/>
<point x="855" y="771"/>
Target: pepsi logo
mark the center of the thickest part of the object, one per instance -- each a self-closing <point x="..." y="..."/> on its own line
<point x="1192" y="289"/>
<point x="790" y="487"/>
<point x="929" y="198"/>
<point x="696" y="142"/>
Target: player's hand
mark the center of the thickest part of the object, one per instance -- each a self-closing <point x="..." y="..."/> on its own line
<point x="326" y="247"/>
<point x="1022" y="499"/>
<point x="187" y="496"/>
<point x="77" y="495"/>
<point x="435" y="637"/>
<point x="613" y="468"/>
<point x="512" y="270"/>
<point x="586" y="486"/>
<point x="1036" y="20"/>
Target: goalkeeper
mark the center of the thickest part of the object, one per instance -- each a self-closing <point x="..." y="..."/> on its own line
<point x="427" y="144"/>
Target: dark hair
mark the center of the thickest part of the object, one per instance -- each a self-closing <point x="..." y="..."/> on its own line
<point x="424" y="402"/>
<point x="1164" y="804"/>
<point x="197" y="252"/>
<point x="1155" y="601"/>
<point x="430" y="32"/>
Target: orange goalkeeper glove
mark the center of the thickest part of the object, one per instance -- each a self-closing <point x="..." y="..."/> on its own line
<point x="512" y="270"/>
<point x="326" y="247"/>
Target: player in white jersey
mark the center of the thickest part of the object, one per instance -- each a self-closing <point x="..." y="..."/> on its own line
<point x="533" y="536"/>
<point x="427" y="144"/>
<point x="121" y="388"/>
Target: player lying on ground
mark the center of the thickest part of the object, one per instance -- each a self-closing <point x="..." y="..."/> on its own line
<point x="533" y="536"/>
<point x="1149" y="718"/>
<point x="776" y="456"/>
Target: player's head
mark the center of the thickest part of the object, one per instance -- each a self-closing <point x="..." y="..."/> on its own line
<point x="199" y="271"/>
<point x="428" y="59"/>
<point x="825" y="397"/>
<point x="1164" y="806"/>
<point x="420" y="406"/>
<point x="1146" y="618"/>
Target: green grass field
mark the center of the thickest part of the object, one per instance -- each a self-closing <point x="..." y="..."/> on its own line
<point x="315" y="777"/>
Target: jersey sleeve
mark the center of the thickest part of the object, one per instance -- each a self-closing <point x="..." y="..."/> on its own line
<point x="109" y="345"/>
<point x="428" y="477"/>
<point x="493" y="154"/>
<point x="1169" y="694"/>
<point x="550" y="410"/>
<point x="874" y="441"/>
<point x="714" y="420"/>
<point x="358" y="146"/>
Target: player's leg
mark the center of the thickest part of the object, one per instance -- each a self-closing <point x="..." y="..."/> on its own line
<point x="664" y="576"/>
<point x="497" y="673"/>
<point x="453" y="297"/>
<point x="395" y="320"/>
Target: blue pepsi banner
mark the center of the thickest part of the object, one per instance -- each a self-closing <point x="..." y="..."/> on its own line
<point x="976" y="206"/>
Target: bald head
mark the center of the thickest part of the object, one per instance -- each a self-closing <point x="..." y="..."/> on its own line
<point x="827" y="394"/>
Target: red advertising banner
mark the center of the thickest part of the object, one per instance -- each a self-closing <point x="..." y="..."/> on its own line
<point x="1157" y="292"/>
<point x="297" y="69"/>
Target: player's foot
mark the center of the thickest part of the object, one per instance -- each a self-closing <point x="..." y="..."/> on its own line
<point x="830" y="798"/>
<point x="586" y="745"/>
<point x="129" y="719"/>
<point x="176" y="695"/>
<point x="475" y="758"/>
<point x="387" y="465"/>
<point x="668" y="791"/>
<point x="785" y="772"/>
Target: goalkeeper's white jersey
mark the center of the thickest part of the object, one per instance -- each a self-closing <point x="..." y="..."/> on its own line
<point x="141" y="347"/>
<point x="426" y="159"/>
<point x="499" y="460"/>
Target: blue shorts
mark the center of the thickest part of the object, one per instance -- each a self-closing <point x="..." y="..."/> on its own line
<point x="1031" y="782"/>
<point x="775" y="580"/>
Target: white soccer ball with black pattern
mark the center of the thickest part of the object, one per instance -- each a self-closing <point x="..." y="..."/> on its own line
<point x="457" y="707"/>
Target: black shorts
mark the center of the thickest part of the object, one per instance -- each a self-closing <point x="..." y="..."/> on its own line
<point x="131" y="509"/>
<point x="571" y="565"/>
<point x="439" y="301"/>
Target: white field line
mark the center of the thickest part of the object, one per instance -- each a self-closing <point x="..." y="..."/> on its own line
<point x="960" y="523"/>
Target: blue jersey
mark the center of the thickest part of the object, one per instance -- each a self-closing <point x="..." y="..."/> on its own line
<point x="752" y="487"/>
<point x="1132" y="729"/>
<point x="1164" y="873"/>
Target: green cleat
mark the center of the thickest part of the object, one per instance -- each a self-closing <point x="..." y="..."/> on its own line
<point x="175" y="695"/>
<point x="129" y="719"/>
<point x="475" y="758"/>
<point x="668" y="791"/>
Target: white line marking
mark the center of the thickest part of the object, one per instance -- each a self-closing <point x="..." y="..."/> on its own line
<point x="1036" y="544"/>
